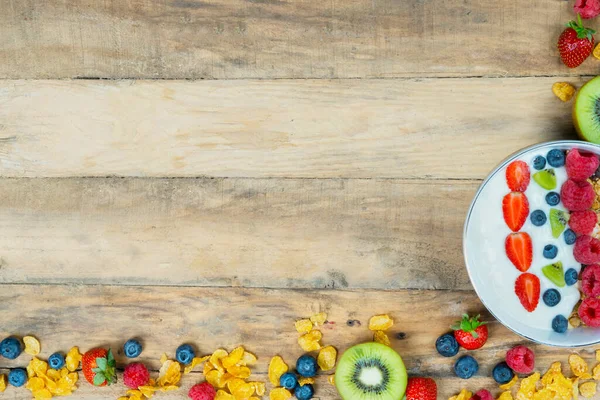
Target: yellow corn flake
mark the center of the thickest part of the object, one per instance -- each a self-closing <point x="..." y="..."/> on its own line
<point x="216" y="359"/>
<point x="123" y="398"/>
<point x="587" y="389"/>
<point x="310" y="341"/>
<point x="505" y="396"/>
<point x="207" y="368"/>
<point x="233" y="358"/>
<point x="527" y="388"/>
<point x="279" y="394"/>
<point x="277" y="367"/>
<point x="544" y="394"/>
<point x="304" y="326"/>
<point x="327" y="357"/>
<point x="598" y="355"/>
<point x="380" y="322"/>
<point x="163" y="358"/>
<point x="168" y="388"/>
<point x="213" y="377"/>
<point x="53" y="374"/>
<point x="463" y="395"/>
<point x="509" y="385"/>
<point x="578" y="365"/>
<point x="32" y="345"/>
<point x="195" y="361"/>
<point x="223" y="395"/>
<point x="563" y="90"/>
<point x="224" y="378"/>
<point x="243" y="391"/>
<point x="248" y="358"/>
<point x="135" y="394"/>
<point x="596" y="54"/>
<point x="234" y="383"/>
<point x="42" y="394"/>
<point x="38" y="366"/>
<point x="169" y="373"/>
<point x="239" y="372"/>
<point x="148" y="391"/>
<point x="259" y="388"/>
<point x="331" y="379"/>
<point x="72" y="359"/>
<point x="596" y="372"/>
<point x="381" y="337"/>
<point x="319" y="319"/>
<point x="3" y="383"/>
<point x="306" y="381"/>
<point x="64" y="371"/>
<point x="576" y="389"/>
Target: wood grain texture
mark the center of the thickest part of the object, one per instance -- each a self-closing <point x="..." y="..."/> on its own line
<point x="304" y="233"/>
<point x="260" y="319"/>
<point x="225" y="39"/>
<point x="433" y="128"/>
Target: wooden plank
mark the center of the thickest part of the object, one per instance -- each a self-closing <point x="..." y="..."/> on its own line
<point x="297" y="233"/>
<point x="260" y="319"/>
<point x="450" y="128"/>
<point x="225" y="39"/>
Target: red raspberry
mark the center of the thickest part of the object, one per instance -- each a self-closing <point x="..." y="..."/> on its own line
<point x="589" y="311"/>
<point x="202" y="391"/>
<point x="581" y="166"/>
<point x="583" y="222"/>
<point x="482" y="395"/>
<point x="577" y="195"/>
<point x="520" y="359"/>
<point x="590" y="280"/>
<point x="587" y="8"/>
<point x="587" y="250"/>
<point x="135" y="375"/>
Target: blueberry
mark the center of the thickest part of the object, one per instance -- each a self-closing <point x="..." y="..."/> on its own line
<point x="465" y="367"/>
<point x="502" y="373"/>
<point x="56" y="361"/>
<point x="185" y="353"/>
<point x="556" y="158"/>
<point x="551" y="297"/>
<point x="304" y="392"/>
<point x="11" y="348"/>
<point x="571" y="276"/>
<point x="560" y="324"/>
<point x="306" y="366"/>
<point x="539" y="162"/>
<point x="569" y="236"/>
<point x="288" y="380"/>
<point x="538" y="218"/>
<point x="447" y="345"/>
<point x="132" y="348"/>
<point x="552" y="198"/>
<point x="550" y="251"/>
<point x="17" y="377"/>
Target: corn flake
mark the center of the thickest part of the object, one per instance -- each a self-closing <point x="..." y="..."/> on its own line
<point x="195" y="361"/>
<point x="463" y="395"/>
<point x="587" y="389"/>
<point x="598" y="355"/>
<point x="280" y="394"/>
<point x="42" y="394"/>
<point x="233" y="358"/>
<point x="327" y="357"/>
<point x="239" y="372"/>
<point x="310" y="341"/>
<point x="303" y="325"/>
<point x="380" y="322"/>
<point x="243" y="391"/>
<point x="505" y="396"/>
<point x="527" y="389"/>
<point x="73" y="358"/>
<point x="563" y="90"/>
<point x="223" y="395"/>
<point x="32" y="345"/>
<point x="213" y="377"/>
<point x="248" y="358"/>
<point x="596" y="54"/>
<point x="331" y="379"/>
<point x="234" y="383"/>
<point x="277" y="367"/>
<point x="216" y="359"/>
<point x="381" y="337"/>
<point x="259" y="388"/>
<point x="319" y="319"/>
<point x="2" y="383"/>
<point x="509" y="385"/>
<point x="578" y="366"/>
<point x="306" y="381"/>
<point x="169" y="373"/>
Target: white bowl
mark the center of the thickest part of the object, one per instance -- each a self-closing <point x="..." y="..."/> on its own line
<point x="492" y="274"/>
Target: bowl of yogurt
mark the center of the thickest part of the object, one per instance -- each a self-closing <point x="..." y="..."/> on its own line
<point x="532" y="243"/>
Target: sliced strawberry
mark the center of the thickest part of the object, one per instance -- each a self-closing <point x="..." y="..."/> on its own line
<point x="527" y="289"/>
<point x="519" y="250"/>
<point x="518" y="176"/>
<point x="515" y="208"/>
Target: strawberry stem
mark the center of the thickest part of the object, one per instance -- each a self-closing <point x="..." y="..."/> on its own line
<point x="582" y="31"/>
<point x="469" y="325"/>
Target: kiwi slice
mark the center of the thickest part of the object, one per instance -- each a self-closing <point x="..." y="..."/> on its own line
<point x="371" y="371"/>
<point x="555" y="273"/>
<point x="586" y="111"/>
<point x="558" y="221"/>
<point x="545" y="178"/>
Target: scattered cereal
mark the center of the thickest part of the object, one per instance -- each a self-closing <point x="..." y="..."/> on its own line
<point x="306" y="381"/>
<point x="327" y="357"/>
<point x="2" y="383"/>
<point x="381" y="337"/>
<point x="596" y="54"/>
<point x="216" y="357"/>
<point x="304" y="326"/>
<point x="331" y="379"/>
<point x="509" y="385"/>
<point x="195" y="361"/>
<point x="223" y="395"/>
<point x="44" y="383"/>
<point x="598" y="355"/>
<point x="527" y="388"/>
<point x="463" y="395"/>
<point x="596" y="372"/>
<point x="579" y="366"/>
<point x="163" y="358"/>
<point x="277" y="367"/>
<point x="505" y="396"/>
<point x="259" y="388"/>
<point x="563" y="90"/>
<point x="310" y="341"/>
<point x="73" y="359"/>
<point x="587" y="389"/>
<point x="280" y="394"/>
<point x="248" y="358"/>
<point x="32" y="345"/>
<point x="233" y="358"/>
<point x="380" y="322"/>
<point x="319" y="319"/>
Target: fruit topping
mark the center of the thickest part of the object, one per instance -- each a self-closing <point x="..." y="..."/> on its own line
<point x="590" y="280"/>
<point x="569" y="236"/>
<point x="551" y="297"/>
<point x="550" y="251"/>
<point x="538" y="218"/>
<point x="304" y="392"/>
<point x="527" y="289"/>
<point x="502" y="373"/>
<point x="556" y="158"/>
<point x="515" y="208"/>
<point x="306" y="366"/>
<point x="132" y="348"/>
<point x="517" y="176"/>
<point x="465" y="367"/>
<point x="288" y="380"/>
<point x="521" y="359"/>
<point x="17" y="377"/>
<point x="555" y="273"/>
<point x="589" y="311"/>
<point x="470" y="332"/>
<point x="421" y="389"/>
<point x="98" y="367"/>
<point x="587" y="250"/>
<point x="185" y="354"/>
<point x="583" y="222"/>
<point x="11" y="348"/>
<point x="552" y="198"/>
<point x="539" y="162"/>
<point x="482" y="395"/>
<point x="447" y="345"/>
<point x="581" y="166"/>
<point x="571" y="277"/>
<point x="519" y="250"/>
<point x="545" y="178"/>
<point x="585" y="116"/>
<point x="587" y="8"/>
<point x="563" y="90"/>
<point x="135" y="375"/>
<point x="560" y="324"/>
<point x="577" y="195"/>
<point x="558" y="221"/>
<point x="575" y="43"/>
<point x="202" y="391"/>
<point x="56" y="361"/>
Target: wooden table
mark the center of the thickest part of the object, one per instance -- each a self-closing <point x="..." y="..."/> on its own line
<point x="209" y="171"/>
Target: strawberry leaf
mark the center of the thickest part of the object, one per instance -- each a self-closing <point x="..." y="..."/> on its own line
<point x="110" y="358"/>
<point x="101" y="363"/>
<point x="99" y="379"/>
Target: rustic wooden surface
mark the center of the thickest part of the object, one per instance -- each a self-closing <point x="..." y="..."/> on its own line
<point x="201" y="170"/>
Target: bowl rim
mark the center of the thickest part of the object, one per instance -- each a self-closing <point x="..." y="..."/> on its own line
<point x="589" y="146"/>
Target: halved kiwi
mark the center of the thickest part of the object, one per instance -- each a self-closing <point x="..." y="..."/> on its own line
<point x="371" y="371"/>
<point x="586" y="111"/>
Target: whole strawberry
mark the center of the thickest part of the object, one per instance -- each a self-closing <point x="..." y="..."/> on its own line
<point x="421" y="389"/>
<point x="576" y="43"/>
<point x="470" y="333"/>
<point x="98" y="367"/>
